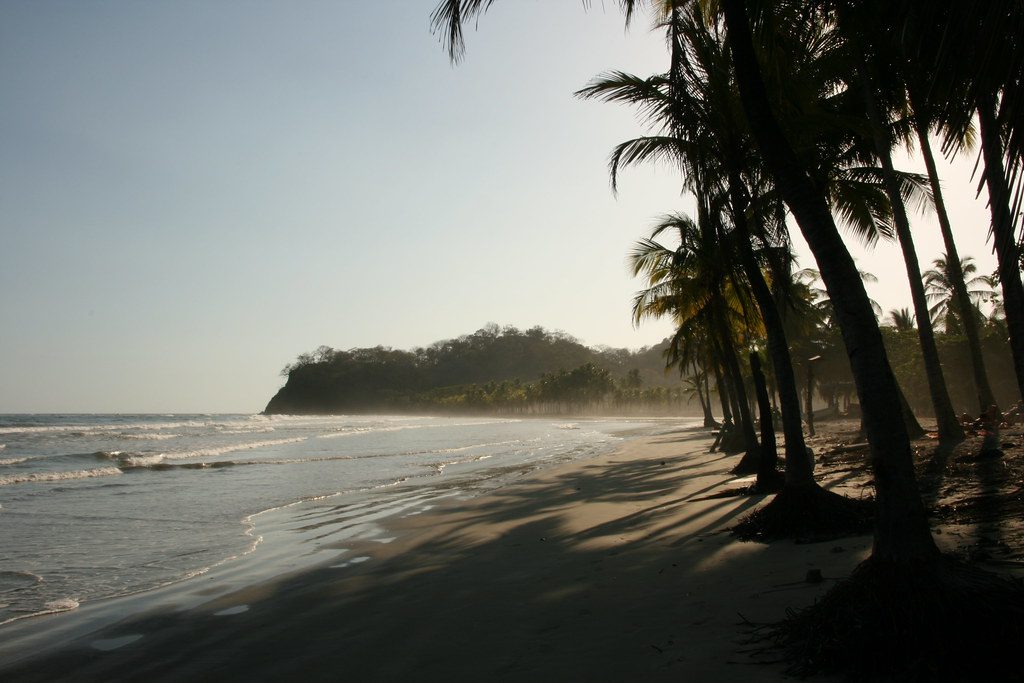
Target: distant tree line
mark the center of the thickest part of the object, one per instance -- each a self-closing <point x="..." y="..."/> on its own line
<point x="495" y="370"/>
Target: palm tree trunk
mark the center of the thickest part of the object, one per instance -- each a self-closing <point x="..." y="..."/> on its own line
<point x="705" y="403"/>
<point x="951" y="432"/>
<point x="767" y="475"/>
<point x="798" y="467"/>
<point x="902" y="535"/>
<point x="745" y="422"/>
<point x="723" y="394"/>
<point x="707" y="392"/>
<point x="1007" y="250"/>
<point x="914" y="428"/>
<point x="956" y="273"/>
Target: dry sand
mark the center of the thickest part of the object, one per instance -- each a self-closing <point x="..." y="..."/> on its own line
<point x="616" y="568"/>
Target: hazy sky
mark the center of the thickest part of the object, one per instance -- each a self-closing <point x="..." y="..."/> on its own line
<point x="193" y="193"/>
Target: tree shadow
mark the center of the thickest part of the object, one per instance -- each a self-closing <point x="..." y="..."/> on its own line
<point x="518" y="588"/>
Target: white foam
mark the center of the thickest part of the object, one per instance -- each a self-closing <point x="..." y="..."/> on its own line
<point x="149" y="436"/>
<point x="61" y="605"/>
<point x="86" y="430"/>
<point x="346" y="432"/>
<point x="439" y="466"/>
<point x="221" y="450"/>
<point x="42" y="477"/>
<point x="12" y="461"/>
<point x="390" y="483"/>
<point x="477" y="445"/>
<point x="294" y="461"/>
<point x="142" y="460"/>
<point x="401" y="428"/>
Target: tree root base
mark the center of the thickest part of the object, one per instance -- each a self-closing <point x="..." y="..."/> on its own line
<point x="748" y="464"/>
<point x="768" y="482"/>
<point x="807" y="513"/>
<point x="929" y="621"/>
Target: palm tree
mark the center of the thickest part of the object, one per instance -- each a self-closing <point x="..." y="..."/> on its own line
<point x="941" y="291"/>
<point x="1003" y="232"/>
<point x="689" y="283"/>
<point x="902" y="319"/>
<point x="903" y="536"/>
<point x="819" y="295"/>
<point x="680" y="102"/>
<point x="694" y="103"/>
<point x="956" y="276"/>
<point x="969" y="67"/>
<point x="905" y="571"/>
<point x="696" y="385"/>
<point x="878" y="97"/>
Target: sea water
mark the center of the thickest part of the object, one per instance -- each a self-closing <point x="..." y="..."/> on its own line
<point x="96" y="506"/>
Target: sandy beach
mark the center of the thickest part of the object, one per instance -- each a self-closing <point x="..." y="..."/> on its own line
<point x="614" y="568"/>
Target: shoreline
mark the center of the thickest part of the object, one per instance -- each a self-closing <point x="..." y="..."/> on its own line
<point x="275" y="548"/>
<point x="603" y="568"/>
<point x="205" y="518"/>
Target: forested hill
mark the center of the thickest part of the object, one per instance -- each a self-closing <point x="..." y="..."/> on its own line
<point x="496" y="368"/>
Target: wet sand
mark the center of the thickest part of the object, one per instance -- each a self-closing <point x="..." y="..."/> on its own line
<point x="616" y="568"/>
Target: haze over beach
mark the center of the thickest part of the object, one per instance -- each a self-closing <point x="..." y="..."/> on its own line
<point x="194" y="194"/>
<point x="476" y="340"/>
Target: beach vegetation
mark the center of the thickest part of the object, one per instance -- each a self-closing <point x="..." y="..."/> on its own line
<point x="499" y="370"/>
<point x="821" y="88"/>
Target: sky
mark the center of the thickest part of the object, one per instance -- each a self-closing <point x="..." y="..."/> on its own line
<point x="194" y="193"/>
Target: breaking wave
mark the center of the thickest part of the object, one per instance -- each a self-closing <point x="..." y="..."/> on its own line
<point x="42" y="477"/>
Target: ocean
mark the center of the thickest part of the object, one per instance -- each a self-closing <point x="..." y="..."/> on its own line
<point x="98" y="506"/>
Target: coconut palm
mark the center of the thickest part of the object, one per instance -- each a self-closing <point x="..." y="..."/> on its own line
<point x="940" y="289"/>
<point x="961" y="57"/>
<point x="693" y="104"/>
<point x="901" y="319"/>
<point x="923" y="122"/>
<point x="690" y="284"/>
<point x="1003" y="232"/>
<point x="882" y="99"/>
<point x="904" y="536"/>
<point x="905" y="572"/>
<point x="811" y="278"/>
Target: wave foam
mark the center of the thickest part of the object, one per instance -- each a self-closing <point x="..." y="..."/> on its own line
<point x="347" y="432"/>
<point x="221" y="450"/>
<point x="141" y="460"/>
<point x="86" y="430"/>
<point x="254" y="430"/>
<point x="43" y="477"/>
<point x="438" y="467"/>
<point x="12" y="461"/>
